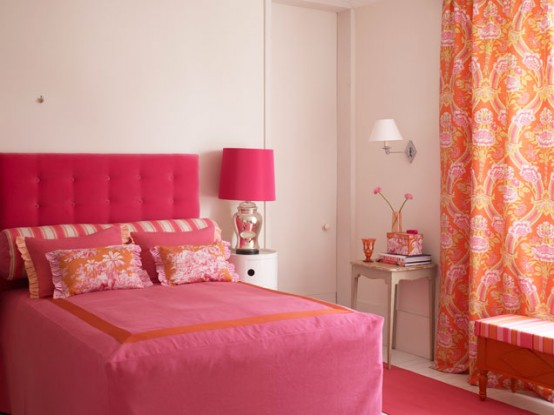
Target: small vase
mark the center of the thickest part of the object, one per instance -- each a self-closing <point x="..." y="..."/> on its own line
<point x="368" y="248"/>
<point x="396" y="221"/>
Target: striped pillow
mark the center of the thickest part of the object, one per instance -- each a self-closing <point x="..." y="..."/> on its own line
<point x="175" y="225"/>
<point x="11" y="264"/>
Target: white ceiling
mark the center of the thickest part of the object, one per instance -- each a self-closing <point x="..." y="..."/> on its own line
<point x="333" y="5"/>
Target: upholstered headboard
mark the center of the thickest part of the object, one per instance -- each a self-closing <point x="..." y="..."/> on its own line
<point x="50" y="189"/>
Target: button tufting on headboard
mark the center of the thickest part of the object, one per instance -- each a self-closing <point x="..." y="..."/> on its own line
<point x="46" y="189"/>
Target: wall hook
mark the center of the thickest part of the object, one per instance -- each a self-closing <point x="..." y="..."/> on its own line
<point x="40" y="99"/>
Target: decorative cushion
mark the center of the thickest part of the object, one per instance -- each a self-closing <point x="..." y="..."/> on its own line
<point x="528" y="332"/>
<point x="148" y="240"/>
<point x="11" y="263"/>
<point x="33" y="251"/>
<point x="79" y="271"/>
<point x="193" y="263"/>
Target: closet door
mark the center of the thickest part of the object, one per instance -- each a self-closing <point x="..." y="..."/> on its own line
<point x="303" y="133"/>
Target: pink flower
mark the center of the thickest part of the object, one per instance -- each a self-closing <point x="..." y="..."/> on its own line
<point x="512" y="83"/>
<point x="520" y="228"/>
<point x="462" y="321"/>
<point x="446" y="240"/>
<point x="483" y="137"/>
<point x="462" y="221"/>
<point x="533" y="61"/>
<point x="544" y="252"/>
<point x="456" y="170"/>
<point x="510" y="301"/>
<point x="489" y="31"/>
<point x="484" y="116"/>
<point x="461" y="118"/>
<point x="458" y="66"/>
<point x="501" y="65"/>
<point x="478" y="244"/>
<point x="524" y="117"/>
<point x="545" y="139"/>
<point x="447" y="38"/>
<point x="530" y="173"/>
<point x="546" y="230"/>
<point x="445" y="139"/>
<point x="497" y="172"/>
<point x="510" y="194"/>
<point x="407" y="196"/>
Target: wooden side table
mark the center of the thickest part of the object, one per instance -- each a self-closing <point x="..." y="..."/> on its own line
<point x="392" y="275"/>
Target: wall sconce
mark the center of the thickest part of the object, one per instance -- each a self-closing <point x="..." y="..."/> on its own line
<point x="385" y="130"/>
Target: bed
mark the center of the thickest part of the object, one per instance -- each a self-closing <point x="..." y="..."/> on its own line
<point x="200" y="348"/>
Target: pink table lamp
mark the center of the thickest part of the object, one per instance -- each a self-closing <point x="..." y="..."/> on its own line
<point x="247" y="174"/>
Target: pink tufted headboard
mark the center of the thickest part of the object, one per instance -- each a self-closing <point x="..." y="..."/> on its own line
<point x="50" y="189"/>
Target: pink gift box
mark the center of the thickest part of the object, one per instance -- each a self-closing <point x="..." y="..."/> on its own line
<point x="404" y="243"/>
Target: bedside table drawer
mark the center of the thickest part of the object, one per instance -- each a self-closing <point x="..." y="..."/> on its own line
<point x="258" y="269"/>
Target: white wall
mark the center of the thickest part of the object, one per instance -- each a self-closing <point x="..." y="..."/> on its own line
<point x="141" y="76"/>
<point x="397" y="76"/>
<point x="188" y="76"/>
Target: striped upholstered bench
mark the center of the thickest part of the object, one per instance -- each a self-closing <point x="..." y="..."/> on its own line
<point x="517" y="346"/>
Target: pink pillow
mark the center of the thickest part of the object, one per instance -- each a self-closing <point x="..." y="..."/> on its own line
<point x="193" y="263"/>
<point x="148" y="240"/>
<point x="33" y="251"/>
<point x="11" y="263"/>
<point x="80" y="271"/>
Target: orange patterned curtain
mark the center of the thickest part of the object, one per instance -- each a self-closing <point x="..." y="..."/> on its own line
<point x="497" y="166"/>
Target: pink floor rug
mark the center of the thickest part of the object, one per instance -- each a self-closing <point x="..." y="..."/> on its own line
<point x="408" y="393"/>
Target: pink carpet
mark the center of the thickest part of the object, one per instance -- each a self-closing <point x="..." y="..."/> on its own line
<point x="408" y="393"/>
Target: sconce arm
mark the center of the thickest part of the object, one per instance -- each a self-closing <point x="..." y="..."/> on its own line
<point x="410" y="150"/>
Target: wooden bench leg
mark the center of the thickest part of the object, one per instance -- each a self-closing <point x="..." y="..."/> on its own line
<point x="483" y="384"/>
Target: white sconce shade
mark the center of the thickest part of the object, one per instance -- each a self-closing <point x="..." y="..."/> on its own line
<point x="385" y="130"/>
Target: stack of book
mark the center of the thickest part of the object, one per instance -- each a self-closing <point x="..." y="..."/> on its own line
<point x="405" y="260"/>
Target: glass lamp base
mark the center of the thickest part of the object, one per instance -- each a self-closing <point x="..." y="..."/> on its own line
<point x="248" y="223"/>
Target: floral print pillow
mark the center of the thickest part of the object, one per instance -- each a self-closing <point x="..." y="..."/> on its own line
<point x="193" y="263"/>
<point x="79" y="271"/>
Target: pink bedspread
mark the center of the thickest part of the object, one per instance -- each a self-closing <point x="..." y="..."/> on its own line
<point x="206" y="348"/>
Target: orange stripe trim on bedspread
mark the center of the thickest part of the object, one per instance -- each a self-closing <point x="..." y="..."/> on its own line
<point x="124" y="336"/>
<point x="229" y="324"/>
<point x="117" y="333"/>
<point x="313" y="300"/>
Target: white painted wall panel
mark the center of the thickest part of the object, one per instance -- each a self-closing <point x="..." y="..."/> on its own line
<point x="304" y="136"/>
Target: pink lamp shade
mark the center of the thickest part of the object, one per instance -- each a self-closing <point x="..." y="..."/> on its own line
<point x="247" y="174"/>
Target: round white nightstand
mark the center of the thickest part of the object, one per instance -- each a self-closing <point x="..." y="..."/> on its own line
<point x="260" y="269"/>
